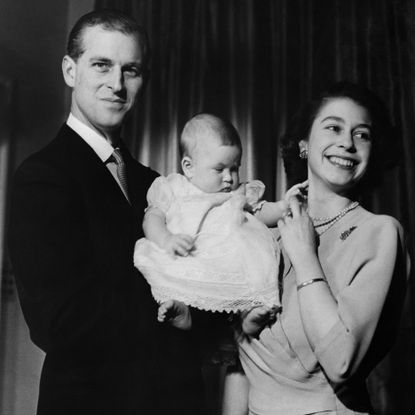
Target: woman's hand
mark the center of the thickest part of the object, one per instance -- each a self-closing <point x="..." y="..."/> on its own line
<point x="255" y="320"/>
<point x="318" y="308"/>
<point x="299" y="191"/>
<point x="297" y="232"/>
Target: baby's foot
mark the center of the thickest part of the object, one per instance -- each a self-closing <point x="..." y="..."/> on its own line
<point x="176" y="314"/>
<point x="254" y="321"/>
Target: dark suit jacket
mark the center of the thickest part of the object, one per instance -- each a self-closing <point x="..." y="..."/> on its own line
<point x="72" y="235"/>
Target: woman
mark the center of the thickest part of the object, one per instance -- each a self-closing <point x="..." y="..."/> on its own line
<point x="345" y="268"/>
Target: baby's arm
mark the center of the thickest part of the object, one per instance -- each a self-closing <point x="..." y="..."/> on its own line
<point x="271" y="212"/>
<point x="155" y="229"/>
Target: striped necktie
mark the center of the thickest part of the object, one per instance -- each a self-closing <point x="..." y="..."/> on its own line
<point x="121" y="170"/>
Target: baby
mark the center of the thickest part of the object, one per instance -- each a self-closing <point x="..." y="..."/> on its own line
<point x="207" y="243"/>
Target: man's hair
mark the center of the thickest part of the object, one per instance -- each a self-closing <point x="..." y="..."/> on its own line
<point x="111" y="20"/>
<point x="203" y="125"/>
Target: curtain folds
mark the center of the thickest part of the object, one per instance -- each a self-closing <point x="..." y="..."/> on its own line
<point x="255" y="62"/>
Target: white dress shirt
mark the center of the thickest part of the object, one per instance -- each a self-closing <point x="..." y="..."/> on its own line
<point x="98" y="143"/>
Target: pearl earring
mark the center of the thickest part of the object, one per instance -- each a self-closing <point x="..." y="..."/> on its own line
<point x="303" y="154"/>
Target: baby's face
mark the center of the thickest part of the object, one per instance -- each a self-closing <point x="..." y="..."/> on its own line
<point x="216" y="167"/>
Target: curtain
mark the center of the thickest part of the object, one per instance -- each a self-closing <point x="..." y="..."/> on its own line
<point x="7" y="295"/>
<point x="255" y="62"/>
<point x="6" y="103"/>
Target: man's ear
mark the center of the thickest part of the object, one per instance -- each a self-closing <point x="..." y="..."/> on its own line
<point x="69" y="70"/>
<point x="187" y="167"/>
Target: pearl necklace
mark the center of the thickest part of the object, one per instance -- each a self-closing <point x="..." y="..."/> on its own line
<point x="322" y="225"/>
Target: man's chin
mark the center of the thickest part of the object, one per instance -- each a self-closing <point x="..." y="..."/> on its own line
<point x="113" y="122"/>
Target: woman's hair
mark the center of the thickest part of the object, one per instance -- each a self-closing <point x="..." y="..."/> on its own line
<point x="382" y="133"/>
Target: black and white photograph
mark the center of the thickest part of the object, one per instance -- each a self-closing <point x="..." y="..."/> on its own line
<point x="206" y="207"/>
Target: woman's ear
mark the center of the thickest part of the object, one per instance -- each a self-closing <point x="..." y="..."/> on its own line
<point x="302" y="145"/>
<point x="187" y="167"/>
<point x="303" y="149"/>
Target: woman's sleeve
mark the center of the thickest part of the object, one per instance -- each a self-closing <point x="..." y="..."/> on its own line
<point x="369" y="307"/>
<point x="160" y="194"/>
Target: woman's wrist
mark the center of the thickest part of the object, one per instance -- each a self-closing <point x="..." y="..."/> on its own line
<point x="307" y="268"/>
<point x="304" y="260"/>
<point x="310" y="282"/>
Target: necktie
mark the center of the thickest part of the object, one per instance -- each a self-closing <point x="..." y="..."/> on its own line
<point x="121" y="170"/>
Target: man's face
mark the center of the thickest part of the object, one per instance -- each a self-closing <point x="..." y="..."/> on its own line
<point x="105" y="79"/>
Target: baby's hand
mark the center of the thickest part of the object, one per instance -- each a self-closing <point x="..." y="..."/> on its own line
<point x="175" y="313"/>
<point x="254" y="320"/>
<point x="178" y="244"/>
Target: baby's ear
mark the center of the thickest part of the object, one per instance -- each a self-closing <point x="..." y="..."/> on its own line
<point x="187" y="167"/>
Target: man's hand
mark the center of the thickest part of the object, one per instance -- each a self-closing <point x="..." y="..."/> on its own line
<point x="176" y="314"/>
<point x="178" y="244"/>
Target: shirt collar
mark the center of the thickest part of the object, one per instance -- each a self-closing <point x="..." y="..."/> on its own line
<point x="97" y="142"/>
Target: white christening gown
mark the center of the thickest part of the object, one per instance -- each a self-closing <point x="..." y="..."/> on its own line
<point x="235" y="260"/>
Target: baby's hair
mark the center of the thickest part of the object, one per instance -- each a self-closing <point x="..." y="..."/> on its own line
<point x="205" y="126"/>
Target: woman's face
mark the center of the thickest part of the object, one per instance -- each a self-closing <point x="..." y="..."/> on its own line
<point x="339" y="145"/>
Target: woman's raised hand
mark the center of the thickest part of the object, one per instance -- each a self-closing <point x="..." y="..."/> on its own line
<point x="299" y="191"/>
<point x="297" y="231"/>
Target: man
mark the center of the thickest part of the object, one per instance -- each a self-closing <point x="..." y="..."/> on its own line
<point x="77" y="209"/>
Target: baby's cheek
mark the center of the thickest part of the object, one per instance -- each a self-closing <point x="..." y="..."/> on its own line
<point x="235" y="183"/>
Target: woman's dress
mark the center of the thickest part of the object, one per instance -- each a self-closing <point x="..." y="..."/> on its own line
<point x="366" y="266"/>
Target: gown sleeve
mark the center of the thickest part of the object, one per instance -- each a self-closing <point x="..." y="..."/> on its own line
<point x="160" y="194"/>
<point x="254" y="190"/>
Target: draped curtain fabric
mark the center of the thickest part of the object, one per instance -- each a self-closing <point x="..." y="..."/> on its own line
<point x="255" y="62"/>
<point x="7" y="123"/>
<point x="6" y="102"/>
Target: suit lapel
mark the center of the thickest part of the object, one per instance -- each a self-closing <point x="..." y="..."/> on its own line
<point x="139" y="179"/>
<point x="100" y="188"/>
<point x="93" y="175"/>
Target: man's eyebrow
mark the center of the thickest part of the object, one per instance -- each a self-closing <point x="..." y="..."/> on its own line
<point x="100" y="58"/>
<point x="137" y="64"/>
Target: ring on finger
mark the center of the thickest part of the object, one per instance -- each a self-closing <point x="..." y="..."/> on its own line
<point x="288" y="214"/>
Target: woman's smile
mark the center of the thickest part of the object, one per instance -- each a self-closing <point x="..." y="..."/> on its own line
<point x="342" y="162"/>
